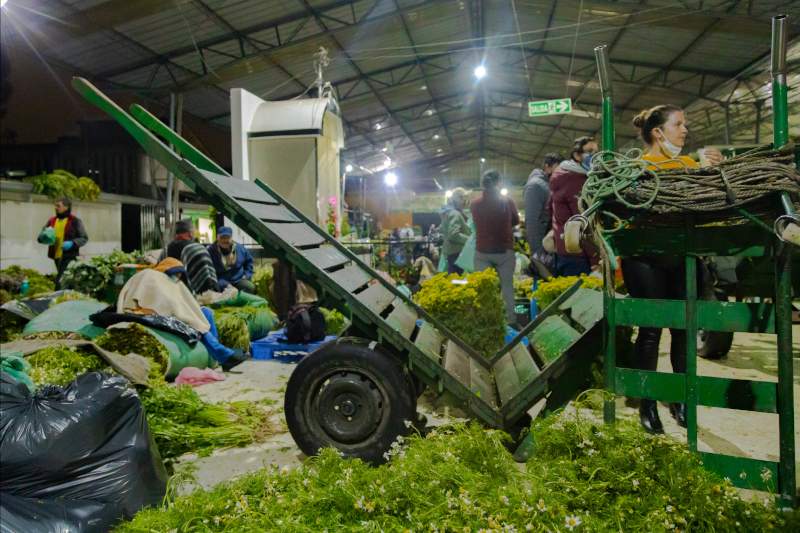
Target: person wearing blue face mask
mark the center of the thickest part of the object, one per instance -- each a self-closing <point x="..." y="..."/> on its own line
<point x="566" y="185"/>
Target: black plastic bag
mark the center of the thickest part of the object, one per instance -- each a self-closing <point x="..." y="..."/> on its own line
<point x="109" y="317"/>
<point x="18" y="514"/>
<point x="86" y="441"/>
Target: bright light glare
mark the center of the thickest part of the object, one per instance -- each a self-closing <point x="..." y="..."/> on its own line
<point x="391" y="179"/>
<point x="480" y="72"/>
<point x="483" y="160"/>
<point x="504" y="192"/>
<point x="449" y="194"/>
<point x="349" y="168"/>
<point x="3" y="2"/>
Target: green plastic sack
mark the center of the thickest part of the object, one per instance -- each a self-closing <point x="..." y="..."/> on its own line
<point x="243" y="299"/>
<point x="181" y="355"/>
<point x="15" y="365"/>
<point x="261" y="324"/>
<point x="71" y="316"/>
<point x="466" y="259"/>
<point x="442" y="264"/>
<point x="48" y="236"/>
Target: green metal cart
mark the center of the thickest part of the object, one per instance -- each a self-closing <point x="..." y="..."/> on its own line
<point x="359" y="393"/>
<point x="691" y="242"/>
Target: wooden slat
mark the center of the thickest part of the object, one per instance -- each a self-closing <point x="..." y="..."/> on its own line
<point x="403" y="318"/>
<point x="269" y="213"/>
<point x="295" y="234"/>
<point x="552" y="337"/>
<point x="523" y="362"/>
<point x="429" y="341"/>
<point x="350" y="278"/>
<point x="507" y="378"/>
<point x="325" y="257"/>
<point x="456" y="362"/>
<point x="376" y="298"/>
<point x="238" y="189"/>
<point x="586" y="307"/>
<point x="482" y="382"/>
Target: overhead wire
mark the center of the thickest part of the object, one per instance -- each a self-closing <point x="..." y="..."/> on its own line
<point x="574" y="47"/>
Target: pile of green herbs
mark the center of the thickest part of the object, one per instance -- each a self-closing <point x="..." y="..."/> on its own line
<point x="237" y="326"/>
<point x="60" y="365"/>
<point x="474" y="311"/>
<point x="62" y="184"/>
<point x="181" y="422"/>
<point x="56" y="336"/>
<point x="11" y="326"/>
<point x="134" y="338"/>
<point x="262" y="278"/>
<point x="11" y="280"/>
<point x="585" y="477"/>
<point x="334" y="321"/>
<point x="93" y="277"/>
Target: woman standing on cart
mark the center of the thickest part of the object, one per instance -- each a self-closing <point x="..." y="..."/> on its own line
<point x="663" y="129"/>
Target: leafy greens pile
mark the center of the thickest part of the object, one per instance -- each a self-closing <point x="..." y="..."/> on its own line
<point x="474" y="311"/>
<point x="93" y="277"/>
<point x="62" y="184"/>
<point x="585" y="477"/>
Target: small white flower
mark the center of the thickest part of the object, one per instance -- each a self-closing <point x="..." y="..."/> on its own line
<point x="670" y="508"/>
<point x="279" y="522"/>
<point x="635" y="482"/>
<point x="407" y="423"/>
<point x="541" y="506"/>
<point x="572" y="521"/>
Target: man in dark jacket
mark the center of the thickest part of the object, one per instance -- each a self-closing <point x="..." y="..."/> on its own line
<point x="536" y="194"/>
<point x="454" y="229"/>
<point x="566" y="185"/>
<point x="194" y="256"/>
<point x="70" y="235"/>
<point x="232" y="262"/>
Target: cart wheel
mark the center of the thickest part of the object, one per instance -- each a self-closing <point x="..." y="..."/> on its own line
<point x="714" y="344"/>
<point x="351" y="395"/>
<point x="572" y="236"/>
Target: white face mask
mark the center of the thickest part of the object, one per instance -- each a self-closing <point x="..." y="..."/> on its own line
<point x="667" y="147"/>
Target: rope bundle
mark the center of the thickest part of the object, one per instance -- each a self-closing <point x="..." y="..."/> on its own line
<point x="633" y="191"/>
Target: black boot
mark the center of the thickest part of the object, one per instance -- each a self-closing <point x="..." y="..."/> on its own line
<point x="648" y="414"/>
<point x="678" y="411"/>
<point x="238" y="357"/>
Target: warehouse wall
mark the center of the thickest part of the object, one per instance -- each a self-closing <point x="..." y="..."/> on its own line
<point x="22" y="216"/>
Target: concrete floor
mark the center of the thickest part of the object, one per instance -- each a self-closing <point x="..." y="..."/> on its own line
<point x="730" y="432"/>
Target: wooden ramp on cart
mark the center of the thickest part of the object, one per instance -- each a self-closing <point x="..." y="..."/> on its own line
<point x="549" y="359"/>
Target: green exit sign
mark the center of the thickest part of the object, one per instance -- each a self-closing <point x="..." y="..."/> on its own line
<point x="550" y="107"/>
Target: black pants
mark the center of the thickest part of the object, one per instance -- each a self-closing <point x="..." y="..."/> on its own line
<point x="61" y="266"/>
<point x="659" y="279"/>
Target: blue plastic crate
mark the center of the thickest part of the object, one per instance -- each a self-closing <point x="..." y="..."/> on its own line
<point x="270" y="347"/>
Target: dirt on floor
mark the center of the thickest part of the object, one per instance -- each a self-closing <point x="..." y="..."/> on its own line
<point x="725" y="431"/>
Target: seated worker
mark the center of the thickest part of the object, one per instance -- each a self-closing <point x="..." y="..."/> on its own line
<point x="232" y="262"/>
<point x="199" y="268"/>
<point x="160" y="291"/>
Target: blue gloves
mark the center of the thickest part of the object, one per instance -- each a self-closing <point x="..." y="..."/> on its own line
<point x="66" y="245"/>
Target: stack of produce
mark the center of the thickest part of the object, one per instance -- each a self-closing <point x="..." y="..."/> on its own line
<point x="93" y="277"/>
<point x="585" y="477"/>
<point x="262" y="278"/>
<point x="334" y="321"/>
<point x="11" y="280"/>
<point x="237" y="326"/>
<point x="62" y="184"/>
<point x="136" y="339"/>
<point x="473" y="311"/>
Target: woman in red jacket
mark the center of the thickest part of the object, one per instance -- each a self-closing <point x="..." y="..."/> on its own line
<point x="566" y="185"/>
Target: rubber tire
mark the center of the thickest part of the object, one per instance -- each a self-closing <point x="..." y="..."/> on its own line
<point x="351" y="355"/>
<point x="716" y="346"/>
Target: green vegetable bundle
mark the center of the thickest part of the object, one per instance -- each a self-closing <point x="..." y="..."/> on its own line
<point x="474" y="312"/>
<point x="182" y="422"/>
<point x="262" y="277"/>
<point x="38" y="283"/>
<point x="11" y="326"/>
<point x="232" y="330"/>
<point x="60" y="365"/>
<point x="547" y="291"/>
<point x="61" y="184"/>
<point x="136" y="339"/>
<point x="57" y="335"/>
<point x="585" y="477"/>
<point x="93" y="277"/>
<point x="334" y="320"/>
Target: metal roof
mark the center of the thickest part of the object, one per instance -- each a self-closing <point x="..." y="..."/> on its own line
<point x="402" y="70"/>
